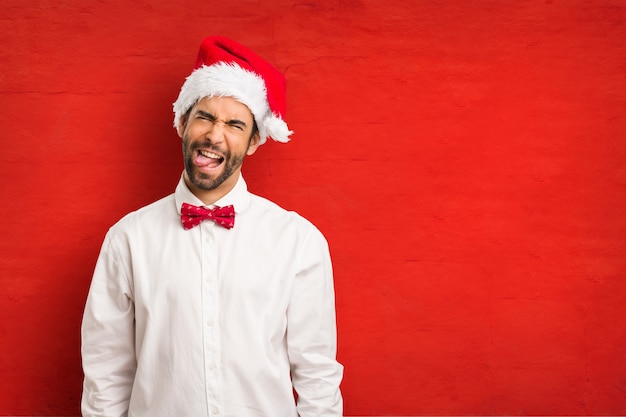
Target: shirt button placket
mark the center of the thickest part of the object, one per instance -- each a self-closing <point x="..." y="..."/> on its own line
<point x="210" y="311"/>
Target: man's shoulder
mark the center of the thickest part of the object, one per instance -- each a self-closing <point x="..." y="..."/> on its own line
<point x="153" y="214"/>
<point x="276" y="214"/>
<point x="269" y="207"/>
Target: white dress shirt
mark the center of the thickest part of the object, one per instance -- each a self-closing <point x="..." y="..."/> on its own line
<point x="211" y="321"/>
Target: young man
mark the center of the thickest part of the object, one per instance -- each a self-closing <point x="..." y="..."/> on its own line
<point x="214" y="301"/>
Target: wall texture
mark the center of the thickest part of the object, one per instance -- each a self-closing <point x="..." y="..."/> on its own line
<point x="465" y="159"/>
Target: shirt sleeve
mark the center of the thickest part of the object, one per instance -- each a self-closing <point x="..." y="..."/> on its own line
<point x="312" y="334"/>
<point x="108" y="340"/>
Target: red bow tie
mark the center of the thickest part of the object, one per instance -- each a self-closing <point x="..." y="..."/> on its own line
<point x="192" y="216"/>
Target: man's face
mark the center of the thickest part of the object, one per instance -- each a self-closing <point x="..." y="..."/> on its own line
<point x="216" y="137"/>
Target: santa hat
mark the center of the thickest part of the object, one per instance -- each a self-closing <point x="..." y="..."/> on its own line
<point x="226" y="68"/>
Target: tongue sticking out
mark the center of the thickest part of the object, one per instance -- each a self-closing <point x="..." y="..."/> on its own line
<point x="207" y="162"/>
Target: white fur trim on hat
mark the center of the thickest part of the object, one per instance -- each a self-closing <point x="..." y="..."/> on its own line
<point x="230" y="80"/>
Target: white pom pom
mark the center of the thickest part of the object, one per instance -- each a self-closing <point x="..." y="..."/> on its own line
<point x="276" y="129"/>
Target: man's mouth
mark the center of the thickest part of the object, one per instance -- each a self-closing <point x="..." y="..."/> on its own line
<point x="207" y="159"/>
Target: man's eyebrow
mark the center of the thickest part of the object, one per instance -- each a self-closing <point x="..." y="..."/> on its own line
<point x="236" y="122"/>
<point x="231" y="122"/>
<point x="206" y="114"/>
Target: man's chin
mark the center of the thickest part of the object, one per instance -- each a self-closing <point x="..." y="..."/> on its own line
<point x="209" y="181"/>
<point x="202" y="181"/>
<point x="206" y="184"/>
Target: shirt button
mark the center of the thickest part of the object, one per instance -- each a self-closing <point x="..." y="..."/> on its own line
<point x="212" y="366"/>
<point x="215" y="410"/>
<point x="210" y="322"/>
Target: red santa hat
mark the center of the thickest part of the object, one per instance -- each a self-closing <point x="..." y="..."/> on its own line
<point x="226" y="68"/>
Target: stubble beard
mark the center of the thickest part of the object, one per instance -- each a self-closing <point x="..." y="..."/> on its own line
<point x="206" y="181"/>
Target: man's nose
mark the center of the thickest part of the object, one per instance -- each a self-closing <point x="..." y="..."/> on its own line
<point x="216" y="132"/>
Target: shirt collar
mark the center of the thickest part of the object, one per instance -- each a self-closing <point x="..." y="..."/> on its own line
<point x="238" y="196"/>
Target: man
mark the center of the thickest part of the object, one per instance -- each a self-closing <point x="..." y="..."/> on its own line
<point x="214" y="301"/>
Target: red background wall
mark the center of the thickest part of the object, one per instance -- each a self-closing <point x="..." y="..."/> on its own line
<point x="465" y="159"/>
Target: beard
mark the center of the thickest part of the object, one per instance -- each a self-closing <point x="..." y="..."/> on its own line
<point x="201" y="180"/>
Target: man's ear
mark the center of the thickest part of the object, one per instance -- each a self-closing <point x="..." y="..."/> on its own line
<point x="255" y="142"/>
<point x="180" y="128"/>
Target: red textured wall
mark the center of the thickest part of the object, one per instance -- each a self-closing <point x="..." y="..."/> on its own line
<point x="465" y="159"/>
